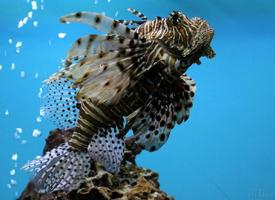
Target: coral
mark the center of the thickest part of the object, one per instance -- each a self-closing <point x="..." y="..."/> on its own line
<point x="133" y="182"/>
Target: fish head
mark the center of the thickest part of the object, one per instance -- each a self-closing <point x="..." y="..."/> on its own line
<point x="192" y="37"/>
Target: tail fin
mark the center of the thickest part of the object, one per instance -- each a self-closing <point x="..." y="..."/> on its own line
<point x="62" y="168"/>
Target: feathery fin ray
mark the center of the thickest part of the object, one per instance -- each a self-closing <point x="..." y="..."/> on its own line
<point x="169" y="105"/>
<point x="100" y="22"/>
<point x="107" y="149"/>
<point x="62" y="168"/>
<point x="59" y="104"/>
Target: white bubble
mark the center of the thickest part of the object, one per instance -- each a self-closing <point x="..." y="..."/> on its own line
<point x="22" y="74"/>
<point x="0" y="67"/>
<point x="36" y="133"/>
<point x="61" y="35"/>
<point x="12" y="172"/>
<point x="35" y="23"/>
<point x="13" y="182"/>
<point x="9" y="186"/>
<point x="25" y="20"/>
<point x="19" y="130"/>
<point x="24" y="142"/>
<point x="30" y="14"/>
<point x="109" y="1"/>
<point x="36" y="75"/>
<point x="38" y="119"/>
<point x="40" y="92"/>
<point x="37" y="157"/>
<point x="34" y="5"/>
<point x="7" y="112"/>
<point x="17" y="133"/>
<point x="96" y="1"/>
<point x="116" y="14"/>
<point x="10" y="41"/>
<point x="12" y="66"/>
<point x="20" y="24"/>
<point x="18" y="44"/>
<point x="42" y="112"/>
<point x="14" y="157"/>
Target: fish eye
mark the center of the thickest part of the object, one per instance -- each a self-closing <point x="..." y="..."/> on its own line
<point x="175" y="17"/>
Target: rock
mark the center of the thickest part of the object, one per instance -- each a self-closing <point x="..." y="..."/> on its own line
<point x="132" y="183"/>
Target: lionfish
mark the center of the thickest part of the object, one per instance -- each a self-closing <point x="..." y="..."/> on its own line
<point x="132" y="78"/>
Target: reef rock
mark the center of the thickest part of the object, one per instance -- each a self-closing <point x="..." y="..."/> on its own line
<point x="132" y="183"/>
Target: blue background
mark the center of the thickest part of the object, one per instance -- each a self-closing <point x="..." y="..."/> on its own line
<point x="226" y="148"/>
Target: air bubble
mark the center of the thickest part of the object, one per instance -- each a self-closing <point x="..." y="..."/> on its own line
<point x="22" y="74"/>
<point x="14" y="157"/>
<point x="12" y="172"/>
<point x="36" y="133"/>
<point x="30" y="14"/>
<point x="61" y="35"/>
<point x="24" y="142"/>
<point x="34" y="5"/>
<point x="12" y="66"/>
<point x="35" y="23"/>
<point x="38" y="119"/>
<point x="40" y="92"/>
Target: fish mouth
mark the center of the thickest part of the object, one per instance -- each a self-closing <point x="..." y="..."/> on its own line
<point x="179" y="53"/>
<point x="194" y="55"/>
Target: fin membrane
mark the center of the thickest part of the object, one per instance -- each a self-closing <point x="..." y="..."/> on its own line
<point x="59" y="104"/>
<point x="100" y="22"/>
<point x="107" y="149"/>
<point x="104" y="76"/>
<point x="134" y="22"/>
<point x="138" y="14"/>
<point x="101" y="44"/>
<point x="62" y="168"/>
<point x="170" y="105"/>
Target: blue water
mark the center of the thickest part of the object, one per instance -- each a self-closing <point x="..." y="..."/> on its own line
<point x="226" y="148"/>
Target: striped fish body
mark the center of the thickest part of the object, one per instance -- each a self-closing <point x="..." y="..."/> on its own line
<point x="95" y="116"/>
<point x="128" y="79"/>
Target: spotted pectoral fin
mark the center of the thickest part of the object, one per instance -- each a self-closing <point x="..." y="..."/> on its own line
<point x="107" y="149"/>
<point x="187" y="88"/>
<point x="169" y="105"/>
<point x="101" y="23"/>
<point x="59" y="103"/>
